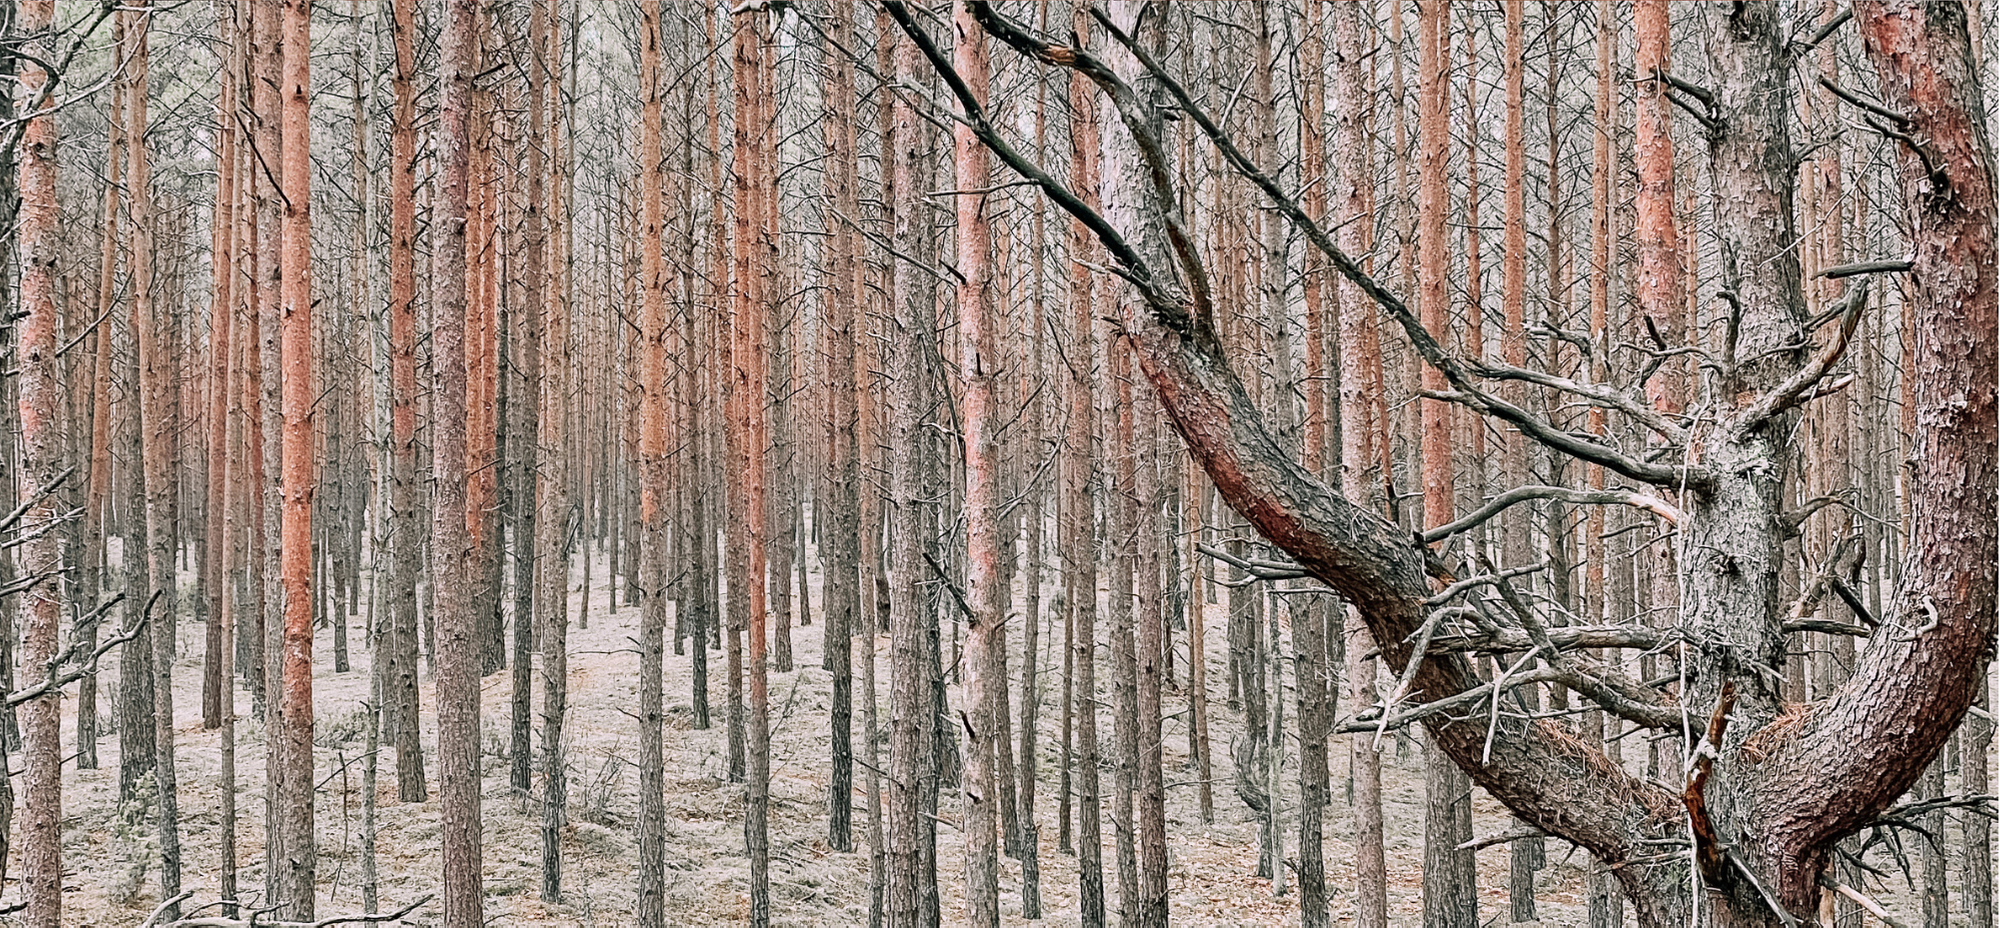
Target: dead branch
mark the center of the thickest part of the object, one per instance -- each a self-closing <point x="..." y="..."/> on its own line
<point x="1866" y="267"/>
<point x="1518" y="495"/>
<point x="1487" y="579"/>
<point x="1709" y="851"/>
<point x="1874" y="908"/>
<point x="1796" y="387"/>
<point x="218" y="921"/>
<point x="1505" y="837"/>
<point x="56" y="679"/>
<point x="37" y="496"/>
<point x="1457" y="371"/>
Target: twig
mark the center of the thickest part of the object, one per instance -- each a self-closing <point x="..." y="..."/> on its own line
<point x="1510" y="835"/>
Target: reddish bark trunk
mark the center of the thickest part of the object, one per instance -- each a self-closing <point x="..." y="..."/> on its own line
<point x="296" y="788"/>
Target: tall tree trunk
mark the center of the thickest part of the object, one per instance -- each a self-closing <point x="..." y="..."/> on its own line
<point x="1450" y="898"/>
<point x="1037" y="435"/>
<point x="453" y="606"/>
<point x="221" y="309"/>
<point x="652" y="478"/>
<point x="1080" y="544"/>
<point x="1311" y="613"/>
<point x="405" y="538"/>
<point x="749" y="388"/>
<point x="910" y="733"/>
<point x="159" y="406"/>
<point x="296" y="788"/>
<point x="556" y="522"/>
<point x="978" y="363"/>
<point x="838" y="509"/>
<point x="1363" y="421"/>
<point x="268" y="463"/>
<point x="41" y="390"/>
<point x="95" y="562"/>
<point x="223" y="516"/>
<point x="1605" y="904"/>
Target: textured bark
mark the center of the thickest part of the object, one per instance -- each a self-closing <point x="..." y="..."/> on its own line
<point x="839" y="508"/>
<point x="1604" y="905"/>
<point x="978" y="363"/>
<point x="222" y="225"/>
<point x="268" y="462"/>
<point x="225" y="518"/>
<point x="159" y="415"/>
<point x="556" y="522"/>
<point x="399" y="674"/>
<point x="909" y="684"/>
<point x="93" y="571"/>
<point x="1659" y="280"/>
<point x="1450" y="883"/>
<point x="1079" y="472"/>
<point x="1150" y="787"/>
<point x="1363" y="421"/>
<point x="1029" y="850"/>
<point x="749" y="389"/>
<point x="452" y="603"/>
<point x="297" y="787"/>
<point x="524" y="377"/>
<point x="482" y="381"/>
<point x="652" y="362"/>
<point x="1309" y="618"/>
<point x="41" y="393"/>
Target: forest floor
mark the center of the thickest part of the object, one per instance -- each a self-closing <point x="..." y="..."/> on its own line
<point x="113" y="872"/>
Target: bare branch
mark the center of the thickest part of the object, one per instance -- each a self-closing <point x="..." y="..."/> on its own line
<point x="1256" y="567"/>
<point x="1597" y="394"/>
<point x="1797" y="386"/>
<point x="1652" y="504"/>
<point x="56" y="678"/>
<point x="1455" y="370"/>
<point x="254" y="922"/>
<point x="1855" y="100"/>
<point x="1866" y="267"/>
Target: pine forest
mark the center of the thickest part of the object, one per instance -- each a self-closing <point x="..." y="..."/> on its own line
<point x="906" y="464"/>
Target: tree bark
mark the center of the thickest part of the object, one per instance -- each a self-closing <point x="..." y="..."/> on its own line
<point x="556" y="522"/>
<point x="749" y="389"/>
<point x="296" y="788"/>
<point x="652" y="478"/>
<point x="405" y="542"/>
<point x="1079" y="473"/>
<point x="978" y="363"/>
<point x="839" y="509"/>
<point x="909" y="687"/>
<point x="159" y="408"/>
<point x="41" y="391"/>
<point x="452" y="605"/>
